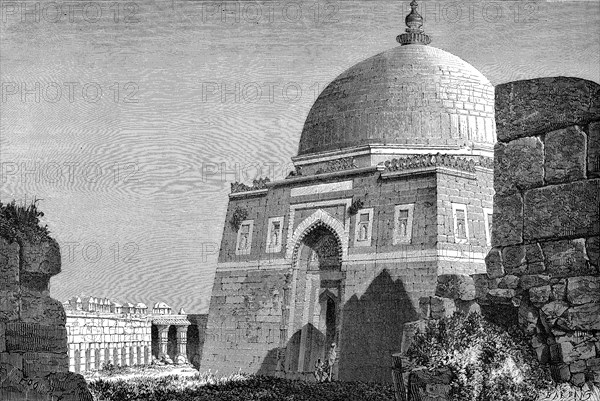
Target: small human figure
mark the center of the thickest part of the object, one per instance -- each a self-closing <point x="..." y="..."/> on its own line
<point x="331" y="359"/>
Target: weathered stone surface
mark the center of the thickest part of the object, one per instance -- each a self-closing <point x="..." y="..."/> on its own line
<point x="555" y="309"/>
<point x="534" y="280"/>
<point x="455" y="286"/>
<point x="493" y="264"/>
<point x="518" y="165"/>
<point x="424" y="308"/>
<point x="583" y="289"/>
<point x="409" y="330"/>
<point x="533" y="253"/>
<point x="539" y="294"/>
<point x="509" y="281"/>
<point x="442" y="307"/>
<point x="9" y="306"/>
<point x="565" y="155"/>
<point x="567" y="258"/>
<point x="592" y="249"/>
<point x="2" y="337"/>
<point x="9" y="265"/>
<point x="42" y="257"/>
<point x="468" y="306"/>
<point x="560" y="373"/>
<point x="571" y="353"/>
<point x="501" y="295"/>
<point x="513" y="256"/>
<point x="481" y="285"/>
<point x="593" y="150"/>
<point x="558" y="292"/>
<point x="584" y="317"/>
<point x="535" y="267"/>
<point x="508" y="220"/>
<point x="577" y="366"/>
<point x="528" y="317"/>
<point x="528" y="107"/>
<point x="560" y="210"/>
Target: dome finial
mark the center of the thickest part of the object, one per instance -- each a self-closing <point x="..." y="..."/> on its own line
<point x="414" y="33"/>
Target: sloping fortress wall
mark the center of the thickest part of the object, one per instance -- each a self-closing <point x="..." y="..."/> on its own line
<point x="33" y="339"/>
<point x="545" y="259"/>
<point x="101" y="331"/>
<point x="105" y="338"/>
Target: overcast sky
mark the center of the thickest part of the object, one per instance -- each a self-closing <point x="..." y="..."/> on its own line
<point x="122" y="116"/>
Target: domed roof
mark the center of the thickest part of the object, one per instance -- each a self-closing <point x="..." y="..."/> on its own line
<point x="409" y="96"/>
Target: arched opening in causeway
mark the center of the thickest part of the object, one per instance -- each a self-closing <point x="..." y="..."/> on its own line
<point x="314" y="313"/>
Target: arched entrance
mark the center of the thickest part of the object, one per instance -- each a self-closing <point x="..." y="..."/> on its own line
<point x="314" y="318"/>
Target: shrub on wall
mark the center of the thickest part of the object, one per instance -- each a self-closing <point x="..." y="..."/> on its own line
<point x="21" y="220"/>
<point x="486" y="361"/>
<point x="239" y="215"/>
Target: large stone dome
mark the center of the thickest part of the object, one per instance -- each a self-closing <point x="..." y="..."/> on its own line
<point x="414" y="97"/>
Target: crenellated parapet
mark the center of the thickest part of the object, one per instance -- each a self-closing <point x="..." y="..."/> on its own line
<point x="438" y="160"/>
<point x="257" y="184"/>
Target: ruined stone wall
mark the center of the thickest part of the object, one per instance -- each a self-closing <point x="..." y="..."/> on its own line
<point x="33" y="338"/>
<point x="547" y="219"/>
<point x="96" y="339"/>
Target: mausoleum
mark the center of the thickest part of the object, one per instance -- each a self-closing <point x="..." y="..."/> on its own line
<point x="392" y="187"/>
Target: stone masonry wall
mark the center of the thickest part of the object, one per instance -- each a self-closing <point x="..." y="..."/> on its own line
<point x="96" y="339"/>
<point x="543" y="270"/>
<point x="33" y="339"/>
<point x="547" y="219"/>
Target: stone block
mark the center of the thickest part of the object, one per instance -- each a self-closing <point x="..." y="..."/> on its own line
<point x="535" y="106"/>
<point x="583" y="289"/>
<point x="424" y="307"/>
<point x="565" y="155"/>
<point x="555" y="309"/>
<point x="2" y="337"/>
<point x="9" y="265"/>
<point x="592" y="249"/>
<point x="578" y="379"/>
<point x="9" y="306"/>
<point x="528" y="317"/>
<point x="593" y="150"/>
<point x="560" y="372"/>
<point x="409" y="330"/>
<point x="543" y="353"/>
<point x="567" y="258"/>
<point x="577" y="366"/>
<point x="39" y="308"/>
<point x="535" y="267"/>
<point x="41" y="257"/>
<point x="493" y="264"/>
<point x="513" y="256"/>
<point x="481" y="285"/>
<point x="501" y="295"/>
<point x="468" y="307"/>
<point x="564" y="210"/>
<point x="539" y="294"/>
<point x="571" y="353"/>
<point x="533" y="253"/>
<point x="509" y="281"/>
<point x="584" y="317"/>
<point x="442" y="307"/>
<point x="558" y="292"/>
<point x="455" y="286"/>
<point x="31" y="337"/>
<point x="518" y="165"/>
<point x="508" y="219"/>
<point x="534" y="280"/>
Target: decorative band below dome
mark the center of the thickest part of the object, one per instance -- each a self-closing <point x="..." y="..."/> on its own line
<point x="410" y="38"/>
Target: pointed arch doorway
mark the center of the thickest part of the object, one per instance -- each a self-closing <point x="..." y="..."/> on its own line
<point x="314" y="309"/>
